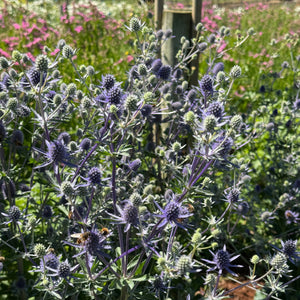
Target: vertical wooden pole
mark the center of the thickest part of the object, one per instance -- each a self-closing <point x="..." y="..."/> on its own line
<point x="158" y="13"/>
<point x="196" y="18"/>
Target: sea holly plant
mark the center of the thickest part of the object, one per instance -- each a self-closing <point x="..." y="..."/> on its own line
<point x="107" y="186"/>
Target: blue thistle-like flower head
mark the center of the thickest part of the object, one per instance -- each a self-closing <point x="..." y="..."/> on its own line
<point x="114" y="95"/>
<point x="94" y="176"/>
<point x="14" y="213"/>
<point x="56" y="151"/>
<point x="215" y="108"/>
<point x="206" y="85"/>
<point x="217" y="68"/>
<point x="164" y="72"/>
<point x="108" y="81"/>
<point x="172" y="214"/>
<point x="289" y="249"/>
<point x="51" y="261"/>
<point x="129" y="216"/>
<point x="64" y="137"/>
<point x="47" y="212"/>
<point x="85" y="144"/>
<point x="64" y="270"/>
<point x="222" y="261"/>
<point x="156" y="65"/>
<point x="135" y="164"/>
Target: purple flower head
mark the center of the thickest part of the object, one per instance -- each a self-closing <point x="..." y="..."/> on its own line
<point x="56" y="154"/>
<point x="206" y="85"/>
<point x="129" y="216"/>
<point x="47" y="212"/>
<point x="164" y="72"/>
<point x="91" y="242"/>
<point x="85" y="144"/>
<point x="14" y="215"/>
<point x="222" y="261"/>
<point x="191" y="96"/>
<point x="64" y="271"/>
<point x="177" y="74"/>
<point x="291" y="217"/>
<point x="135" y="164"/>
<point x="146" y="110"/>
<point x="232" y="196"/>
<point x="289" y="249"/>
<point x="108" y="81"/>
<point x="114" y="95"/>
<point x="172" y="214"/>
<point x="34" y="76"/>
<point x="65" y="138"/>
<point x="50" y="95"/>
<point x="156" y="65"/>
<point x="94" y="176"/>
<point x="158" y="286"/>
<point x="50" y="262"/>
<point x="216" y="109"/>
<point x="217" y="68"/>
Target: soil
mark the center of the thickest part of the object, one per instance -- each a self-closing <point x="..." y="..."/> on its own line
<point x="244" y="293"/>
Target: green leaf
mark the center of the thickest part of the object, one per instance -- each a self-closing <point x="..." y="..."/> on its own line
<point x="55" y="294"/>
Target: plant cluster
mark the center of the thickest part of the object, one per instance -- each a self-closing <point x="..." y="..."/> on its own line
<point x="131" y="190"/>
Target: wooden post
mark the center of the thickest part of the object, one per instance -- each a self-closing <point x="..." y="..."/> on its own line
<point x="180" y="22"/>
<point x="196" y="18"/>
<point x="158" y="13"/>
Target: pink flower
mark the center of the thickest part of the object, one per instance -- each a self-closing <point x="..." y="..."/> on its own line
<point x="42" y="21"/>
<point x="2" y="52"/>
<point x="118" y="62"/>
<point x="217" y="17"/>
<point x="46" y="36"/>
<point x="180" y="5"/>
<point x="16" y="26"/>
<point x="36" y="40"/>
<point x="129" y="58"/>
<point x="25" y="25"/>
<point x="78" y="28"/>
<point x="30" y="56"/>
<point x="54" y="52"/>
<point x="222" y="46"/>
